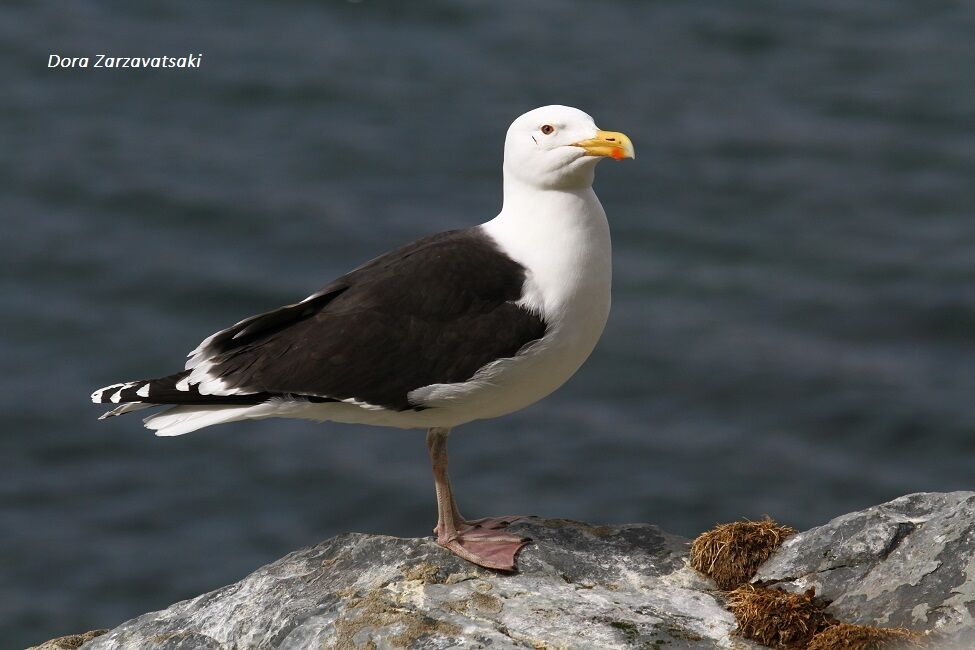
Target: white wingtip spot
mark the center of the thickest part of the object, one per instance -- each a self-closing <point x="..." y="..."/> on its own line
<point x="97" y="396"/>
<point x="117" y="397"/>
<point x="144" y="391"/>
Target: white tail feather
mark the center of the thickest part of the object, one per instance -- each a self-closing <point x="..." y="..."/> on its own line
<point x="184" y="419"/>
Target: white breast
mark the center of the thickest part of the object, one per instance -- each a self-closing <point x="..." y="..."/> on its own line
<point x="562" y="240"/>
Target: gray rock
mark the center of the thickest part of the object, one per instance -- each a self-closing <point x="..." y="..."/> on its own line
<point x="579" y="586"/>
<point x="70" y="642"/>
<point x="909" y="562"/>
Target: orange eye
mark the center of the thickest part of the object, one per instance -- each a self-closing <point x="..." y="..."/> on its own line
<point x="548" y="129"/>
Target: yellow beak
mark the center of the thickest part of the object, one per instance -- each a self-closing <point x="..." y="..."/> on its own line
<point x="608" y="143"/>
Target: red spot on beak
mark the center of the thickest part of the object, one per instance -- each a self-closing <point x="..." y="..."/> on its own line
<point x="617" y="153"/>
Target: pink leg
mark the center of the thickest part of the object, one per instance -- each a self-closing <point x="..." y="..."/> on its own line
<point x="480" y="541"/>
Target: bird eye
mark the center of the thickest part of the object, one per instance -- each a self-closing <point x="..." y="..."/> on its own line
<point x="548" y="129"/>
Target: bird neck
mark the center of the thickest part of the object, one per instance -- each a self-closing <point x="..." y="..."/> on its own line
<point x="560" y="235"/>
<point x="523" y="199"/>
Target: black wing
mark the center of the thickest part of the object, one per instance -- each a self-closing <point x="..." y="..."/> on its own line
<point x="434" y="311"/>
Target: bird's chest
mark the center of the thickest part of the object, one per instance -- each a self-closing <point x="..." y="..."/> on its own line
<point x="567" y="258"/>
<point x="572" y="294"/>
<point x="575" y="304"/>
<point x="568" y="282"/>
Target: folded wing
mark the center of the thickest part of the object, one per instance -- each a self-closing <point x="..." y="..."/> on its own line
<point x="432" y="312"/>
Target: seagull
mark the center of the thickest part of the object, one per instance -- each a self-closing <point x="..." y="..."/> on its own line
<point x="455" y="327"/>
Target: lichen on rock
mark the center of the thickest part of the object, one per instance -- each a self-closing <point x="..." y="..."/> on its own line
<point x="69" y="642"/>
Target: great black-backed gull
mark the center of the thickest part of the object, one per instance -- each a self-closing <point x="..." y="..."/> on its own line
<point x="463" y="325"/>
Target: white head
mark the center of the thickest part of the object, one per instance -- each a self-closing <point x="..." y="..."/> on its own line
<point x="557" y="147"/>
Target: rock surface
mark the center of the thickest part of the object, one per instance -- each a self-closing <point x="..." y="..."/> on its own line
<point x="70" y="642"/>
<point x="908" y="562"/>
<point x="579" y="586"/>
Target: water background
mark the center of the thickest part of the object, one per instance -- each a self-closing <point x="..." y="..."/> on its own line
<point x="794" y="249"/>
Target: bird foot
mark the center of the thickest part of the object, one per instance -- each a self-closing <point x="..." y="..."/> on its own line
<point x="482" y="542"/>
<point x="488" y="523"/>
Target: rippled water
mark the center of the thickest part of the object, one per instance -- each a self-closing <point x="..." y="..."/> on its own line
<point x="794" y="305"/>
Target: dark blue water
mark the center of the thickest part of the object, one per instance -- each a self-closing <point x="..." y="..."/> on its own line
<point x="793" y="329"/>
